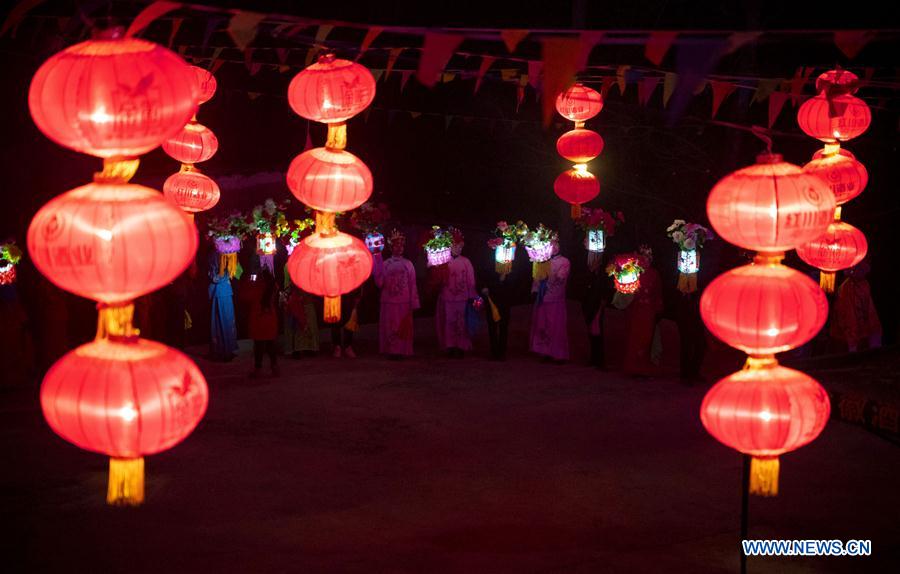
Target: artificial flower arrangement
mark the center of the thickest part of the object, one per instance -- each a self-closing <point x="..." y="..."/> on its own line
<point x="297" y="228"/>
<point x="227" y="232"/>
<point x="504" y="242"/>
<point x="269" y="222"/>
<point x="598" y="226"/>
<point x="10" y="255"/>
<point x="437" y="244"/>
<point x="539" y="246"/>
<point x="370" y="219"/>
<point x="626" y="269"/>
<point x="689" y="237"/>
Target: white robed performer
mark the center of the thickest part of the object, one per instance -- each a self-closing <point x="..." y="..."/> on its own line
<point x="457" y="290"/>
<point x="549" y="333"/>
<point x="396" y="277"/>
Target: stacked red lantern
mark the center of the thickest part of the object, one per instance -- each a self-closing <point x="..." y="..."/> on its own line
<point x="764" y="308"/>
<point x="112" y="241"/>
<point x="835" y="115"/>
<point x="189" y="188"/>
<point x="329" y="179"/>
<point x="579" y="103"/>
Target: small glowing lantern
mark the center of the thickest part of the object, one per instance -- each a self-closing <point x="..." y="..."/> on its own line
<point x="375" y="242"/>
<point x="845" y="175"/>
<point x="842" y="246"/>
<point x="191" y="190"/>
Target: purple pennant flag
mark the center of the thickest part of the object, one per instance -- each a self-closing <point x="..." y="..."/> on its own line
<point x="213" y="23"/>
<point x="695" y="59"/>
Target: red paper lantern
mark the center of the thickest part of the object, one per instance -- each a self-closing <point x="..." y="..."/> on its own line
<point x="765" y="411"/>
<point x="842" y="246"/>
<point x="193" y="144"/>
<point x="763" y="308"/>
<point x="191" y="190"/>
<point x="329" y="266"/>
<point x="579" y="103"/>
<point x="141" y="398"/>
<point x="838" y="79"/>
<point x="771" y="206"/>
<point x="111" y="242"/>
<point x="576" y="186"/>
<point x="332" y="90"/>
<point x="841" y="118"/>
<point x="579" y="145"/>
<point x="846" y="176"/>
<point x="329" y="180"/>
<point x="206" y="84"/>
<point x="112" y="96"/>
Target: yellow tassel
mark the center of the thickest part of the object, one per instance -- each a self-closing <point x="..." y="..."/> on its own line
<point x="188" y="322"/>
<point x="115" y="320"/>
<point x="826" y="281"/>
<point x="495" y="313"/>
<point x="227" y="264"/>
<point x="540" y="270"/>
<point x="332" y="309"/>
<point x="764" y="476"/>
<point x="337" y="136"/>
<point x="503" y="267"/>
<point x="117" y="170"/>
<point x="325" y="224"/>
<point x="576" y="210"/>
<point x="126" y="482"/>
<point x="687" y="282"/>
<point x="352" y="324"/>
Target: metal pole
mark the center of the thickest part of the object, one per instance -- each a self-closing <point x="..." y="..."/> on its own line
<point x="745" y="503"/>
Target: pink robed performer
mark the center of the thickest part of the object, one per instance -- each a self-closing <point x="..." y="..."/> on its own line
<point x="450" y="315"/>
<point x="549" y="333"/>
<point x="396" y="277"/>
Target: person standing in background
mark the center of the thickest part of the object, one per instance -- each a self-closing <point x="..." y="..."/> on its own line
<point x="549" y="317"/>
<point x="855" y="320"/>
<point x="342" y="331"/>
<point x="640" y="318"/>
<point x="597" y="296"/>
<point x="450" y="315"/>
<point x="223" y="331"/>
<point x="261" y="297"/>
<point x="396" y="278"/>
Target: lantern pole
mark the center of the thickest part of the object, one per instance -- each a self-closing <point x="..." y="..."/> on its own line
<point x="745" y="504"/>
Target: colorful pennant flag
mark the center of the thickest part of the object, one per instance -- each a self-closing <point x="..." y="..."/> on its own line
<point x="560" y="56"/>
<point x="658" y="45"/>
<point x="243" y="27"/>
<point x="436" y="52"/>
<point x="512" y="38"/>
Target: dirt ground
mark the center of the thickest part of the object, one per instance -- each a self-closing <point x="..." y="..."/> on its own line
<point x="439" y="465"/>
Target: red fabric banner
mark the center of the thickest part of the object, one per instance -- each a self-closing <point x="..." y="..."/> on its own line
<point x="534" y="72"/>
<point x="720" y="91"/>
<point x="586" y="43"/>
<point x="148" y="15"/>
<point x="486" y="62"/>
<point x="851" y="42"/>
<point x="436" y="52"/>
<point x="776" y="104"/>
<point x="646" y="89"/>
<point x="373" y="33"/>
<point x="512" y="38"/>
<point x="392" y="59"/>
<point x="560" y="56"/>
<point x="242" y="28"/>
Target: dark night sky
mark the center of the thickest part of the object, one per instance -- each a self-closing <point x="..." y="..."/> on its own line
<point x="474" y="173"/>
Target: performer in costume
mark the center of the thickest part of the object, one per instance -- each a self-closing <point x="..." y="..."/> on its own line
<point x="641" y="317"/>
<point x="396" y="277"/>
<point x="223" y="332"/>
<point x="455" y="293"/>
<point x="549" y="332"/>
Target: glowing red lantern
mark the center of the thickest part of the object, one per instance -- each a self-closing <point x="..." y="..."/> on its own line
<point x="771" y="206"/>
<point x="579" y="145"/>
<point x="842" y="246"/>
<point x="579" y="103"/>
<point x="112" y="96"/>
<point x="332" y="90"/>
<point x="577" y="186"/>
<point x="842" y="80"/>
<point x="839" y="118"/>
<point x="191" y="190"/>
<point x="111" y="242"/>
<point x="765" y="410"/>
<point x="329" y="266"/>
<point x="329" y="180"/>
<point x="763" y="308"/>
<point x="846" y="176"/>
<point x="206" y="84"/>
<point x="142" y="398"/>
<point x="193" y="144"/>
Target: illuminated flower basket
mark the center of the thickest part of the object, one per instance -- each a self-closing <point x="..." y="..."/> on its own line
<point x="269" y="222"/>
<point x="370" y="219"/>
<point x="227" y="245"/>
<point x="689" y="237"/>
<point x="626" y="270"/>
<point x="539" y="247"/>
<point x="504" y="245"/>
<point x="437" y="247"/>
<point x="226" y="234"/>
<point x="10" y="255"/>
<point x="298" y="229"/>
<point x="598" y="225"/>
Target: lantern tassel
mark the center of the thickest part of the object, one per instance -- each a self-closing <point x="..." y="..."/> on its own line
<point x="576" y="211"/>
<point x="687" y="282"/>
<point x="227" y="263"/>
<point x="503" y="268"/>
<point x="764" y="476"/>
<point x="115" y="320"/>
<point x="826" y="281"/>
<point x="540" y="270"/>
<point x="594" y="260"/>
<point x="332" y="309"/>
<point x="126" y="482"/>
